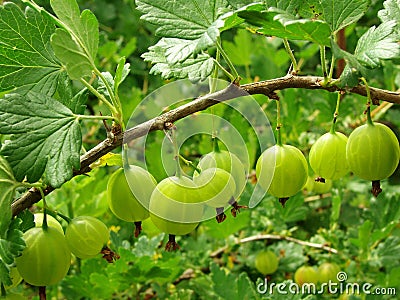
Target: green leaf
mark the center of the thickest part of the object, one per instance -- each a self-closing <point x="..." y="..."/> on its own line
<point x="26" y="60"/>
<point x="193" y="68"/>
<point x="7" y="187"/>
<point x="376" y="44"/>
<point x="46" y="137"/>
<point x="229" y="286"/>
<point x="11" y="246"/>
<point x="121" y="73"/>
<point x="241" y="49"/>
<point x="289" y="6"/>
<point x="189" y="20"/>
<point x="280" y="24"/>
<point x="77" y="43"/>
<point x="76" y="103"/>
<point x="341" y="13"/>
<point x="391" y="12"/>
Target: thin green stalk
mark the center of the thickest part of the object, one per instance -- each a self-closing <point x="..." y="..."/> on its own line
<point x="231" y="77"/>
<point x="189" y="163"/>
<point x="44" y="224"/>
<point x="278" y="123"/>
<point x="172" y="137"/>
<point x="333" y="61"/>
<point x="323" y="63"/>
<point x="100" y="96"/>
<point x="234" y="73"/>
<point x="291" y="55"/>
<point x="110" y="91"/>
<point x="215" y="145"/>
<point x="214" y="75"/>
<point x="368" y="111"/>
<point x="88" y="117"/>
<point x="336" y="113"/>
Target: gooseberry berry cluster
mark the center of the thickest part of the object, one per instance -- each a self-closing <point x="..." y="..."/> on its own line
<point x="47" y="256"/>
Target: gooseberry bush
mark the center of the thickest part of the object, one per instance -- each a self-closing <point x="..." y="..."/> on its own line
<point x="199" y="149"/>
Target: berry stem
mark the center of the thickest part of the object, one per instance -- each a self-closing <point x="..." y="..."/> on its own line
<point x="189" y="163"/>
<point x="278" y="123"/>
<point x="291" y="56"/>
<point x="215" y="145"/>
<point x="336" y="113"/>
<point x="368" y="110"/>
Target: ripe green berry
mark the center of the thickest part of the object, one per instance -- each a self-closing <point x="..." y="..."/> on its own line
<point x="305" y="274"/>
<point x="216" y="187"/>
<point x="129" y="201"/>
<point x="328" y="272"/>
<point x="86" y="236"/>
<point x="318" y="187"/>
<point x="328" y="156"/>
<point x="175" y="207"/>
<point x="373" y="153"/>
<point x="46" y="257"/>
<point x="282" y="171"/>
<point x="230" y="163"/>
<point x="51" y="221"/>
<point x="266" y="262"/>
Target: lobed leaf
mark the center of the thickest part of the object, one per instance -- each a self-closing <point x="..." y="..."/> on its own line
<point x="376" y="44"/>
<point x="46" y="138"/>
<point x="391" y="12"/>
<point x="77" y="43"/>
<point x="341" y="13"/>
<point x="26" y="60"/>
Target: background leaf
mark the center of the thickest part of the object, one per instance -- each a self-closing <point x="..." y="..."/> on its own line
<point x="26" y="60"/>
<point x="47" y="138"/>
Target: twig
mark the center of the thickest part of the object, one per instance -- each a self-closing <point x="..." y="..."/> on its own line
<point x="267" y="87"/>
<point x="259" y="237"/>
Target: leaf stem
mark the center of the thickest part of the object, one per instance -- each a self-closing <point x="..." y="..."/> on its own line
<point x="110" y="91"/>
<point x="291" y="55"/>
<point x="323" y="64"/>
<point x="86" y="117"/>
<point x="234" y="73"/>
<point x="100" y="97"/>
<point x="333" y="61"/>
<point x="226" y="72"/>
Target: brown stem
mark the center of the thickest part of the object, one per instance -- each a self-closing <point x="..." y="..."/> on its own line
<point x="220" y="217"/>
<point x="376" y="188"/>
<point x="266" y="87"/>
<point x="42" y="292"/>
<point x="138" y="228"/>
<point x="172" y="245"/>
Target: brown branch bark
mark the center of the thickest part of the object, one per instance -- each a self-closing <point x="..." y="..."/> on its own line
<point x="267" y="87"/>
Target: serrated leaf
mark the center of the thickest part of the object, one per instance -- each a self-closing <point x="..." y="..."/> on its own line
<point x="193" y="68"/>
<point x="289" y="6"/>
<point x="376" y="44"/>
<point x="391" y="12"/>
<point x="11" y="246"/>
<point x="77" y="43"/>
<point x="46" y="137"/>
<point x="121" y="73"/>
<point x="76" y="103"/>
<point x="7" y="187"/>
<point x="26" y="60"/>
<point x="195" y="22"/>
<point x="241" y="49"/>
<point x="341" y="13"/>
<point x="281" y="24"/>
